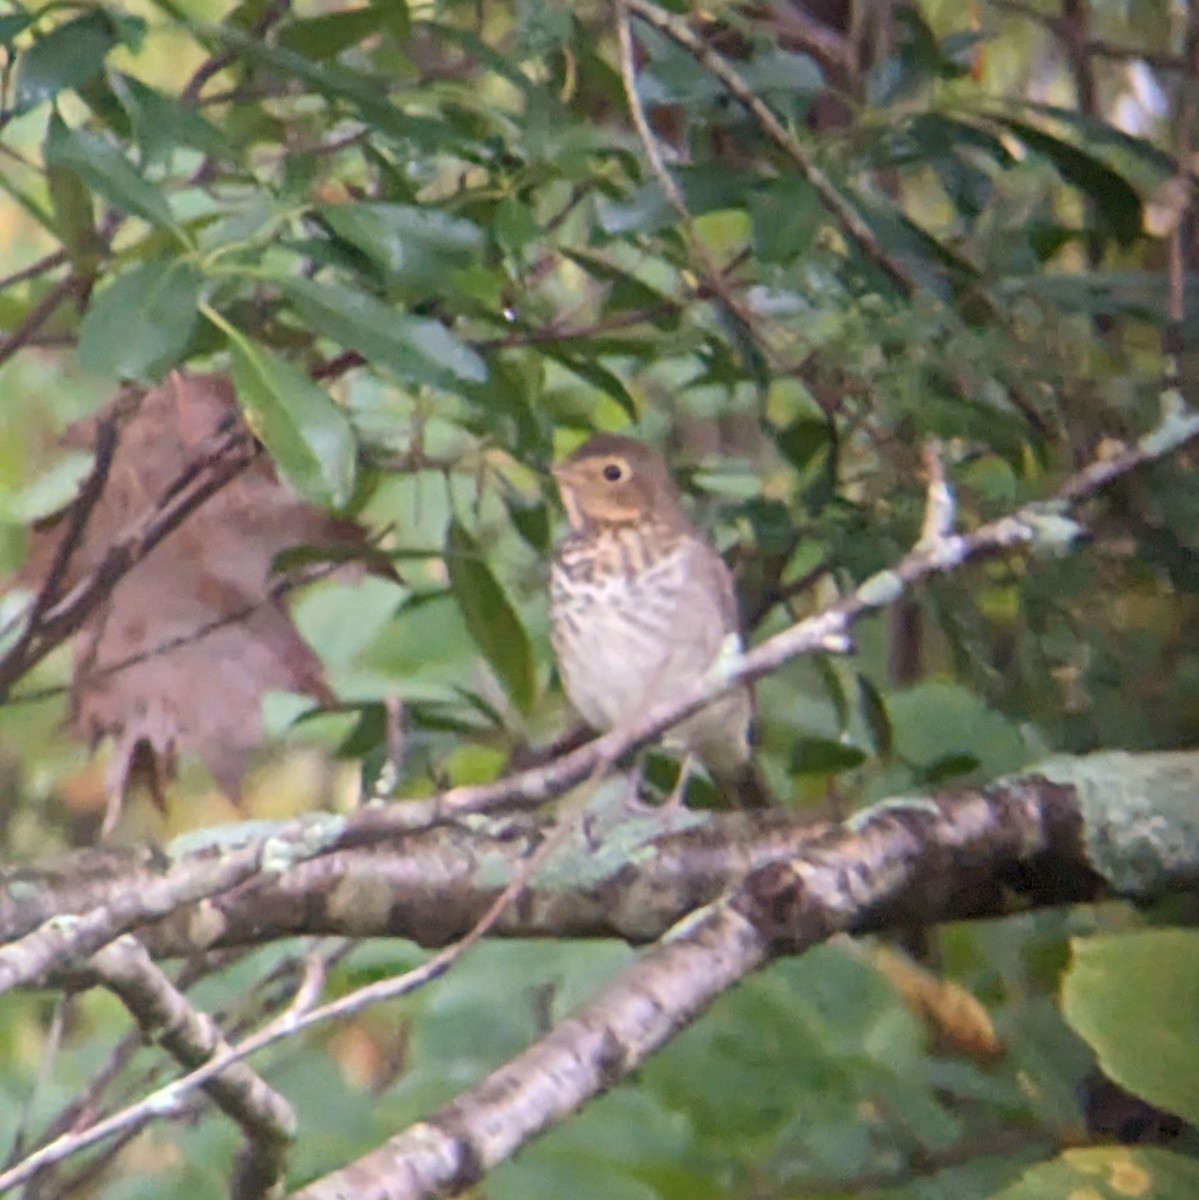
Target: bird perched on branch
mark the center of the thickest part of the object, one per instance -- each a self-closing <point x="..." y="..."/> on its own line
<point x="642" y="606"/>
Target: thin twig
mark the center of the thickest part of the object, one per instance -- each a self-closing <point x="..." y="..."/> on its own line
<point x="40" y="313"/>
<point x="712" y="275"/>
<point x="229" y="455"/>
<point x="47" y="263"/>
<point x="858" y="232"/>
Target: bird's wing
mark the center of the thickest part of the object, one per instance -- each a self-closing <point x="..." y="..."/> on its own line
<point x="712" y="601"/>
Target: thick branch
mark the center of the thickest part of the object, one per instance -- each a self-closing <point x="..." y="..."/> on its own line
<point x="910" y="860"/>
<point x="165" y="1016"/>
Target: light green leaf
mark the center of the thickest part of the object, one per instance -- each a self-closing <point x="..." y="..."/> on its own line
<point x="140" y="325"/>
<point x="102" y="167"/>
<point x="161" y="123"/>
<point x="307" y="435"/>
<point x="490" y="617"/>
<point x="1109" y="1173"/>
<point x="1135" y="998"/>
<point x="417" y="349"/>
<point x="412" y="243"/>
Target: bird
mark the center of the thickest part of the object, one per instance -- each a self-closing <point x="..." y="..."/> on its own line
<point x="642" y="606"/>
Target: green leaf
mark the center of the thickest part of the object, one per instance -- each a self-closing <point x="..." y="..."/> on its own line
<point x="103" y="168"/>
<point x="66" y="57"/>
<point x="823" y="756"/>
<point x="141" y="323"/>
<point x="1115" y="199"/>
<point x="306" y="434"/>
<point x="1135" y="998"/>
<point x="705" y="189"/>
<point x="12" y="25"/>
<point x="1108" y="1173"/>
<point x="874" y="712"/>
<point x="786" y="215"/>
<point x="490" y="617"/>
<point x="75" y="219"/>
<point x="327" y="35"/>
<point x="417" y="349"/>
<point x="161" y="123"/>
<point x="599" y="377"/>
<point x="331" y="80"/>
<point x="416" y="245"/>
<point x="803" y="439"/>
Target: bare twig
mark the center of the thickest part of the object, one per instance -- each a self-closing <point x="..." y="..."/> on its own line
<point x="709" y="271"/>
<point x="165" y="1017"/>
<point x="76" y="524"/>
<point x="858" y="232"/>
<point x="65" y="289"/>
<point x="219" y="462"/>
<point x="44" y="264"/>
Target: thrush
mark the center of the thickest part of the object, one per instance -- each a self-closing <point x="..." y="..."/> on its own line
<point x="642" y="607"/>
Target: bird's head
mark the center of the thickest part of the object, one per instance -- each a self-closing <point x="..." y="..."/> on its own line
<point x="614" y="480"/>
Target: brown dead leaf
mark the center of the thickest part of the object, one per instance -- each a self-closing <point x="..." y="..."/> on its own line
<point x="957" y="1020"/>
<point x="177" y="657"/>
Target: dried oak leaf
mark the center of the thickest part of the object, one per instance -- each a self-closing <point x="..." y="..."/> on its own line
<point x="177" y="658"/>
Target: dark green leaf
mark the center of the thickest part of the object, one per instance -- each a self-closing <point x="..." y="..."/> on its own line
<point x="67" y="56"/>
<point x="786" y="216"/>
<point x="952" y="766"/>
<point x="490" y="617"/>
<point x="327" y="35"/>
<point x="596" y="375"/>
<point x="396" y="18"/>
<point x="307" y="435"/>
<point x="803" y="439"/>
<point x="75" y="219"/>
<point x="531" y="521"/>
<point x="331" y="80"/>
<point x="102" y="167"/>
<point x="1096" y="130"/>
<point x="874" y="712"/>
<point x="705" y="189"/>
<point x="142" y="322"/>
<point x="160" y="123"/>
<point x="12" y="25"/>
<point x="417" y="349"/>
<point x="1116" y="201"/>
<point x="822" y="756"/>
<point x="416" y="245"/>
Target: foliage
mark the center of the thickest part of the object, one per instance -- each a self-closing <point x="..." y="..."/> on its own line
<point x="431" y="250"/>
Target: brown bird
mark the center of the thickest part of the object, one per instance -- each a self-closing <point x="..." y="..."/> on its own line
<point x="642" y="606"/>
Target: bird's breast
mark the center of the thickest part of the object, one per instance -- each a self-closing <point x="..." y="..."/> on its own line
<point x="615" y="608"/>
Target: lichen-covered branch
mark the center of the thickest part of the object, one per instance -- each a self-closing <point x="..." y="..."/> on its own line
<point x="1054" y="836"/>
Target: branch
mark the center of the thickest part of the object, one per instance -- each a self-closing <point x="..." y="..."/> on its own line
<point x="165" y="1017"/>
<point x="1060" y="833"/>
<point x="218" y="462"/>
<point x="1041" y="526"/>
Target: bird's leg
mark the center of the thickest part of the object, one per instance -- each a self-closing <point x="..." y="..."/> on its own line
<point x="675" y="800"/>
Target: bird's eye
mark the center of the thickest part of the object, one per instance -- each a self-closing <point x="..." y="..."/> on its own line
<point x="613" y="472"/>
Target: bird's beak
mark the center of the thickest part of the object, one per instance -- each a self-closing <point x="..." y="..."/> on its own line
<point x="564" y="475"/>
